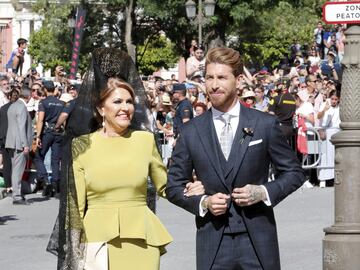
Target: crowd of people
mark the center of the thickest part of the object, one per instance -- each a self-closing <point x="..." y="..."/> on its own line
<point x="32" y="114"/>
<point x="61" y="128"/>
<point x="309" y="89"/>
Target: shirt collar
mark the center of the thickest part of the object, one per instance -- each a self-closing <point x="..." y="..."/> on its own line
<point x="234" y="112"/>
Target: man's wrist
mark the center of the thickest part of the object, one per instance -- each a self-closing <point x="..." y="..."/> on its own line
<point x="204" y="202"/>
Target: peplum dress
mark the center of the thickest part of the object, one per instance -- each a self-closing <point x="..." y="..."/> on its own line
<point x="111" y="185"/>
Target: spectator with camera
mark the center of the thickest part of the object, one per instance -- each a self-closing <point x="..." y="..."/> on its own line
<point x="261" y="101"/>
<point x="195" y="65"/>
<point x="60" y="75"/>
<point x="318" y="37"/>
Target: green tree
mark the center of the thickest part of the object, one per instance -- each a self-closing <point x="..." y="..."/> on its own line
<point x="156" y="52"/>
<point x="52" y="44"/>
<point x="261" y="30"/>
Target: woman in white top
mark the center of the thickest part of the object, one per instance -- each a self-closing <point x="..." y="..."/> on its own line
<point x="330" y="116"/>
<point x="305" y="110"/>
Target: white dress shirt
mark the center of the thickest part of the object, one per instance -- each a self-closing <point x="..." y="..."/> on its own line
<point x="219" y="122"/>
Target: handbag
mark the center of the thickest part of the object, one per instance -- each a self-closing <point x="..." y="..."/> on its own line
<point x="96" y="256"/>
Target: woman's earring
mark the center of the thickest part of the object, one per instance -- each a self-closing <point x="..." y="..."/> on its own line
<point x="103" y="122"/>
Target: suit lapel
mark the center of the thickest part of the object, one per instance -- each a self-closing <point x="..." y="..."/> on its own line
<point x="207" y="135"/>
<point x="241" y="142"/>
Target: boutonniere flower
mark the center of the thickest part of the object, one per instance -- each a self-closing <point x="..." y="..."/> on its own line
<point x="247" y="131"/>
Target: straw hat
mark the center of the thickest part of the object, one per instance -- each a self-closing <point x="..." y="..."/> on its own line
<point x="166" y="100"/>
<point x="248" y="94"/>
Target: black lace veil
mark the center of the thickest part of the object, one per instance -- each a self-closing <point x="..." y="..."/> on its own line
<point x="67" y="239"/>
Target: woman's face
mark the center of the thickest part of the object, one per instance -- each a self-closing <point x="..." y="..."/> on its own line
<point x="249" y="101"/>
<point x="118" y="110"/>
<point x="199" y="110"/>
<point x="334" y="101"/>
<point x="14" y="96"/>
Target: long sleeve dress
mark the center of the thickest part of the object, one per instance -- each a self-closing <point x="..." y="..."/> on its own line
<point x="111" y="184"/>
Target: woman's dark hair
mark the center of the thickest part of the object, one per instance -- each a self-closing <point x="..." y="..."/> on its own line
<point x="334" y="93"/>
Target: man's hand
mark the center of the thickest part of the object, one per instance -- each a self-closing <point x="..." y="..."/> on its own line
<point x="38" y="142"/>
<point x="194" y="188"/>
<point x="217" y="203"/>
<point x="26" y="150"/>
<point x="248" y="195"/>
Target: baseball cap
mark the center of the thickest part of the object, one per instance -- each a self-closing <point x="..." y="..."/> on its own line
<point x="49" y="84"/>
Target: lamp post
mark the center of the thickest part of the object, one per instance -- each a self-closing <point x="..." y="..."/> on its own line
<point x="209" y="8"/>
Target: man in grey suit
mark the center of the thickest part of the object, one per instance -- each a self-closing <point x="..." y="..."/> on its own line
<point x="18" y="141"/>
<point x="230" y="147"/>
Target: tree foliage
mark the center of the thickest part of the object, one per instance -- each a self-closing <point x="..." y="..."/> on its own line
<point x="157" y="51"/>
<point x="262" y="30"/>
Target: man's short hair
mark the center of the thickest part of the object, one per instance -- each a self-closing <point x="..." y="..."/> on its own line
<point x="49" y="86"/>
<point x="21" y="41"/>
<point x="4" y="78"/>
<point x="36" y="83"/>
<point x="180" y="88"/>
<point x="25" y="93"/>
<point x="225" y="56"/>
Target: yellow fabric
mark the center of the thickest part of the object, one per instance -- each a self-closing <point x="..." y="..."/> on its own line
<point x="111" y="184"/>
<point x="132" y="254"/>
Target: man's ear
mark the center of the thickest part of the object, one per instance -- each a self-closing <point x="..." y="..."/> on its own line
<point x="239" y="80"/>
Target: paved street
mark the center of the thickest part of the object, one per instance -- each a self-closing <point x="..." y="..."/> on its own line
<point x="300" y="218"/>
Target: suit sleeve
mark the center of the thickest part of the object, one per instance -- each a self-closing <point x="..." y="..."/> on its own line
<point x="22" y="127"/>
<point x="290" y="175"/>
<point x="180" y="172"/>
<point x="157" y="171"/>
<point x="80" y="184"/>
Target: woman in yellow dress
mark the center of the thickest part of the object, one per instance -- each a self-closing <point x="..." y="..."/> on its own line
<point x="104" y="220"/>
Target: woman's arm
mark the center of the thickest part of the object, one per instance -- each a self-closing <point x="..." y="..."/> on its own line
<point x="80" y="184"/>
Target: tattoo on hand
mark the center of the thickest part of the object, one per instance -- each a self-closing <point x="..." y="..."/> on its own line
<point x="256" y="193"/>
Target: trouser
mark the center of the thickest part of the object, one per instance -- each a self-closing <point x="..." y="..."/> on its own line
<point x="18" y="163"/>
<point x="236" y="252"/>
<point x="6" y="167"/>
<point x="53" y="142"/>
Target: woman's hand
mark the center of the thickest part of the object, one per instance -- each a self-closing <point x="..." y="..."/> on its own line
<point x="194" y="188"/>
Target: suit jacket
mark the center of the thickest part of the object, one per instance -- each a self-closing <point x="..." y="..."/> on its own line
<point x="251" y="155"/>
<point x="20" y="132"/>
<point x="3" y="123"/>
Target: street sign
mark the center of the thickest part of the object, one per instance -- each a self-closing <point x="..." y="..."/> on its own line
<point x="342" y="12"/>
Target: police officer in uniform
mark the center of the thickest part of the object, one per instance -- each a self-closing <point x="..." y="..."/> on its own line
<point x="184" y="109"/>
<point x="283" y="106"/>
<point x="48" y="138"/>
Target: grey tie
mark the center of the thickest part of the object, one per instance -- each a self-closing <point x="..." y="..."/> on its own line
<point x="226" y="136"/>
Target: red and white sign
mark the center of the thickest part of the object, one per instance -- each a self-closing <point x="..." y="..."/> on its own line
<point x="342" y="12"/>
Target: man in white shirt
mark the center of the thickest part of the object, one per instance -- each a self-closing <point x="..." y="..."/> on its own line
<point x="230" y="148"/>
<point x="4" y="90"/>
